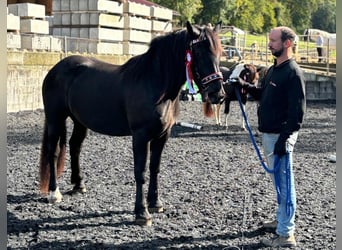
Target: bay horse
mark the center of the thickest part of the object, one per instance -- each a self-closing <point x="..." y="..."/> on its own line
<point x="247" y="72"/>
<point x="138" y="99"/>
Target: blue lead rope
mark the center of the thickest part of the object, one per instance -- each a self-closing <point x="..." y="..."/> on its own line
<point x="277" y="161"/>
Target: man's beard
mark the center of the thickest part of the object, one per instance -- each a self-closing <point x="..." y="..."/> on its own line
<point x="278" y="53"/>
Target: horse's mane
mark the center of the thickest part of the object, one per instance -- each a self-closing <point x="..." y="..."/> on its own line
<point x="162" y="53"/>
<point x="161" y="60"/>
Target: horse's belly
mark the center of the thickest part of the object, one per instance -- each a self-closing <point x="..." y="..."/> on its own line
<point x="114" y="126"/>
<point x="100" y="116"/>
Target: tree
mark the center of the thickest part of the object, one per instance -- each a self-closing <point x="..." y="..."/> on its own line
<point x="257" y="15"/>
<point x="300" y="12"/>
<point x="325" y="17"/>
<point x="186" y="8"/>
<point x="242" y="14"/>
<point x="212" y="11"/>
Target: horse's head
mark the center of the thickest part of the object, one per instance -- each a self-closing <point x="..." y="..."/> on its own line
<point x="205" y="50"/>
<point x="247" y="72"/>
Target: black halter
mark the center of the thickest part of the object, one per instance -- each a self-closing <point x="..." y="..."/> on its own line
<point x="211" y="77"/>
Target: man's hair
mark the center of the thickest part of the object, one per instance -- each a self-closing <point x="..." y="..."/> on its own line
<point x="287" y="33"/>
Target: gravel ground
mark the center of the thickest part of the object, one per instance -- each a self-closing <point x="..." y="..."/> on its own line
<point x="214" y="189"/>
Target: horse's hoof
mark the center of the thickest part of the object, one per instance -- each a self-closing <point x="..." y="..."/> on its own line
<point x="144" y="222"/>
<point x="81" y="190"/>
<point x="156" y="209"/>
<point x="55" y="196"/>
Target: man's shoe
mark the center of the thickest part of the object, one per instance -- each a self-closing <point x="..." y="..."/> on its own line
<point x="270" y="225"/>
<point x="280" y="241"/>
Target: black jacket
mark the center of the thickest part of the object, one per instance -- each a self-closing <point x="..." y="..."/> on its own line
<point x="281" y="98"/>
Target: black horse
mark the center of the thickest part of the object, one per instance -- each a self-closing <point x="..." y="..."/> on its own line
<point x="138" y="98"/>
<point x="247" y="72"/>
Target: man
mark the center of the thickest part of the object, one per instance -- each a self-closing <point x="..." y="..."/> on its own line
<point x="280" y="115"/>
<point x="319" y="46"/>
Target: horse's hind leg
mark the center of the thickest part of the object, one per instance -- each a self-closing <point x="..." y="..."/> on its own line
<point x="78" y="135"/>
<point x="54" y="133"/>
<point x="226" y="112"/>
<point x="156" y="146"/>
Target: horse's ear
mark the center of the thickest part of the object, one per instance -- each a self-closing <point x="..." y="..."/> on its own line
<point x="218" y="26"/>
<point x="193" y="30"/>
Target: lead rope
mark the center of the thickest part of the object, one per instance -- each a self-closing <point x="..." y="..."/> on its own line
<point x="275" y="170"/>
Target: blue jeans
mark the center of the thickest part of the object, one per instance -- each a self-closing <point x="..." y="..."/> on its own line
<point x="286" y="222"/>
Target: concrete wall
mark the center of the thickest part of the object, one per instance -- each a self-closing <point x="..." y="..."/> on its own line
<point x="320" y="86"/>
<point x="26" y="72"/>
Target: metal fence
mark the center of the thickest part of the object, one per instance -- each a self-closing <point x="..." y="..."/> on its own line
<point x="244" y="49"/>
<point x="305" y="52"/>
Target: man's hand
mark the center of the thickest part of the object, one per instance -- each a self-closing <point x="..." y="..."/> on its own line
<point x="238" y="82"/>
<point x="280" y="147"/>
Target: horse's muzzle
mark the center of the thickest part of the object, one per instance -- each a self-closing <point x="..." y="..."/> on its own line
<point x="216" y="97"/>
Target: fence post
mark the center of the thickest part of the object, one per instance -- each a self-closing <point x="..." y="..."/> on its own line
<point x="266" y="54"/>
<point x="327" y="55"/>
<point x="65" y="46"/>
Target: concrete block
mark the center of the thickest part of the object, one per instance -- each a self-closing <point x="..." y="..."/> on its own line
<point x="139" y="23"/>
<point x="105" y="34"/>
<point x="55" y="43"/>
<point x="136" y="9"/>
<point x="13" y="22"/>
<point x="75" y="32"/>
<point x="105" y="20"/>
<point x="77" y="45"/>
<point x="161" y="26"/>
<point x="85" y="19"/>
<point x="27" y="10"/>
<point x="74" y="4"/>
<point x="35" y="42"/>
<point x="56" y="31"/>
<point x="137" y="36"/>
<point x="57" y="19"/>
<point x="49" y="19"/>
<point x="161" y="13"/>
<point x="13" y="40"/>
<point x="134" y="48"/>
<point x="56" y="5"/>
<point x="66" y="19"/>
<point x="84" y="32"/>
<point x="13" y="9"/>
<point x="34" y="26"/>
<point x="105" y="48"/>
<point x="105" y="5"/>
<point x="75" y="18"/>
<point x="83" y="5"/>
<point x="65" y="31"/>
<point x="65" y="5"/>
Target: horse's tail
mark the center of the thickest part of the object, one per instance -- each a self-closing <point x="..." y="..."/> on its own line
<point x="208" y="109"/>
<point x="44" y="166"/>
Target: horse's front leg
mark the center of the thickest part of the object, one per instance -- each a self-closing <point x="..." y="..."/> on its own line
<point x="140" y="150"/>
<point x="156" y="149"/>
<point x="243" y="124"/>
<point x="78" y="135"/>
<point x="217" y="110"/>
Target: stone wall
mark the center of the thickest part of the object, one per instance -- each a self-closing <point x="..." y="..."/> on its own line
<point x="26" y="71"/>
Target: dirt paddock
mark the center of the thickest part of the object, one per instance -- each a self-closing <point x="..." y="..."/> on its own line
<point x="213" y="187"/>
